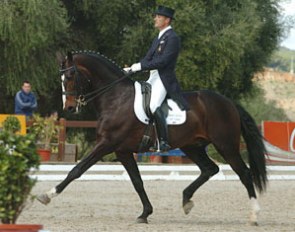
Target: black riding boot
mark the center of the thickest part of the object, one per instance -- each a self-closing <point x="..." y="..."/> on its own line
<point x="162" y="131"/>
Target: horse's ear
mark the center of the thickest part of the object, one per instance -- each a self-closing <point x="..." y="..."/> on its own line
<point x="70" y="56"/>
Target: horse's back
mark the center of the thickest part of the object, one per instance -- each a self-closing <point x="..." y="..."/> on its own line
<point x="215" y="112"/>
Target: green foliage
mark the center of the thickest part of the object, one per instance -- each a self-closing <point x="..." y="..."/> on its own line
<point x="84" y="141"/>
<point x="11" y="124"/>
<point x="261" y="109"/>
<point x="281" y="59"/>
<point x="18" y="155"/>
<point x="31" y="33"/>
<point x="223" y="42"/>
<point x="45" y="129"/>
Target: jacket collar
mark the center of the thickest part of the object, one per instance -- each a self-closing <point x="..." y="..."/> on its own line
<point x="163" y="31"/>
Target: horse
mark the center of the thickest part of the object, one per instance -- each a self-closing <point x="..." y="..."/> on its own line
<point x="211" y="119"/>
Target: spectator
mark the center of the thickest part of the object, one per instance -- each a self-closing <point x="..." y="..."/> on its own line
<point x="25" y="100"/>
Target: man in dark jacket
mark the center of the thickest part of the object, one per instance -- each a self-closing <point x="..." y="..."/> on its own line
<point x="161" y="60"/>
<point x="25" y="100"/>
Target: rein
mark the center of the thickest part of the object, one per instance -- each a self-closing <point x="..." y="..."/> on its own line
<point x="84" y="99"/>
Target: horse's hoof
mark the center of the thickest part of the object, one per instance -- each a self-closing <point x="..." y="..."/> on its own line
<point x="43" y="198"/>
<point x="141" y="220"/>
<point x="187" y="207"/>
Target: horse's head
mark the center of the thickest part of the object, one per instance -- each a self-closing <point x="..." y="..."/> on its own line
<point x="68" y="76"/>
<point x="76" y="82"/>
<point x="85" y="76"/>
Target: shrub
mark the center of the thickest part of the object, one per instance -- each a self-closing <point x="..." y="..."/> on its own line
<point x="11" y="124"/>
<point x="18" y="156"/>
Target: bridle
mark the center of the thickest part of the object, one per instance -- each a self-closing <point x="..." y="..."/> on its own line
<point x="81" y="97"/>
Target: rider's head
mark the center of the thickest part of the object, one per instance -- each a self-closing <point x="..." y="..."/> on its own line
<point x="163" y="17"/>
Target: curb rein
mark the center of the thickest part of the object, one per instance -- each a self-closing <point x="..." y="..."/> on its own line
<point x="84" y="99"/>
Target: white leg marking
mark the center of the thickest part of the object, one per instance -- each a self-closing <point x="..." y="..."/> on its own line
<point x="255" y="208"/>
<point x="52" y="193"/>
<point x="63" y="90"/>
<point x="45" y="198"/>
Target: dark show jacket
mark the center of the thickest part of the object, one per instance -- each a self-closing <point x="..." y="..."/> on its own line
<point x="162" y="56"/>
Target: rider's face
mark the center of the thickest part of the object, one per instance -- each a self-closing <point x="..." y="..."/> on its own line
<point x="161" y="21"/>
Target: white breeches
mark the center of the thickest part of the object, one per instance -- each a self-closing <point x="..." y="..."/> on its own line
<point x="158" y="90"/>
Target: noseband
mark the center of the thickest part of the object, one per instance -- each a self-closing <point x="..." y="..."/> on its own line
<point x="82" y="98"/>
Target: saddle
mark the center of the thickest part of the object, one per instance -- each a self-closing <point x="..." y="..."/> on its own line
<point x="173" y="114"/>
<point x="146" y="91"/>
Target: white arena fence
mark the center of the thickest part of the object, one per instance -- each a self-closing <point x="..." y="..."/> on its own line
<point x="52" y="172"/>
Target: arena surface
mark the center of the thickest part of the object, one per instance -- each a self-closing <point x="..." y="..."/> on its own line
<point x="114" y="206"/>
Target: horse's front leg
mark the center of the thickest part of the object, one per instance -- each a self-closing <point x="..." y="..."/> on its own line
<point x="96" y="154"/>
<point x="131" y="167"/>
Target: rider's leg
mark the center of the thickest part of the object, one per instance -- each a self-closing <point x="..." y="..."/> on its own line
<point x="158" y="91"/>
<point x="162" y="131"/>
<point x="157" y="97"/>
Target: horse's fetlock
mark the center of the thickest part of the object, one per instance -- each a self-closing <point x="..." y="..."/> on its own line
<point x="186" y="196"/>
<point x="150" y="210"/>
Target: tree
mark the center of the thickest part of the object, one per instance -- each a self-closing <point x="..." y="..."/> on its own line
<point x="30" y="34"/>
<point x="223" y="42"/>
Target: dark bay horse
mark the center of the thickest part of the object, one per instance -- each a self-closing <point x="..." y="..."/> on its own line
<point x="212" y="118"/>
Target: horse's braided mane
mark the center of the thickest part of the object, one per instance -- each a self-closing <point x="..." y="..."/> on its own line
<point x="109" y="62"/>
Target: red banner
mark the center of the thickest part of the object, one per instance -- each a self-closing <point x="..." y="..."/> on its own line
<point x="280" y="134"/>
<point x="279" y="141"/>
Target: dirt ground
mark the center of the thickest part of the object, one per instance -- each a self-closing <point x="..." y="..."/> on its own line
<point x="114" y="206"/>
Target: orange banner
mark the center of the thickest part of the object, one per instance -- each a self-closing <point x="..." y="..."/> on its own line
<point x="21" y="118"/>
<point x="280" y="134"/>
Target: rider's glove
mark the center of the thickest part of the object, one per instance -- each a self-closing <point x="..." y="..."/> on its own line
<point x="127" y="70"/>
<point x="136" y="67"/>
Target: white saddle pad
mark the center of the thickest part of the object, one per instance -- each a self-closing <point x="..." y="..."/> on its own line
<point x="175" y="116"/>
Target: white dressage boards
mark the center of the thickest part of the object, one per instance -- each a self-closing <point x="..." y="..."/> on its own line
<point x="58" y="172"/>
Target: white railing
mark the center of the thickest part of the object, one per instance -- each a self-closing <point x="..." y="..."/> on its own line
<point x="49" y="172"/>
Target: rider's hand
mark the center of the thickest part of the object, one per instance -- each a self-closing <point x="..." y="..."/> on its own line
<point x="136" y="67"/>
<point x="127" y="70"/>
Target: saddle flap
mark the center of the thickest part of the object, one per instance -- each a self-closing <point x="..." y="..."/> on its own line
<point x="175" y="115"/>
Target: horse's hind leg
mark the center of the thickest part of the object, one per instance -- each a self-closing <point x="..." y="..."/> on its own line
<point x="233" y="158"/>
<point x="208" y="169"/>
<point x="131" y="167"/>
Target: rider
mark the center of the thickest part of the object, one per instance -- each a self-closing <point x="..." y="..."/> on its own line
<point x="161" y="60"/>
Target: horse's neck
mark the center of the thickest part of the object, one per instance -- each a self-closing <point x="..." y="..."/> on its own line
<point x="120" y="92"/>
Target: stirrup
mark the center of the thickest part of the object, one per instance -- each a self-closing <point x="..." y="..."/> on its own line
<point x="163" y="147"/>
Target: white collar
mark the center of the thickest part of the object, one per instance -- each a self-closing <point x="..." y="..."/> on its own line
<point x="164" y="30"/>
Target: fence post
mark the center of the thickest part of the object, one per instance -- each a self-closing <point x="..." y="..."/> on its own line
<point x="61" y="139"/>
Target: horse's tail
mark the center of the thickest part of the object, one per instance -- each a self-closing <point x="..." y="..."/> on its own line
<point x="255" y="147"/>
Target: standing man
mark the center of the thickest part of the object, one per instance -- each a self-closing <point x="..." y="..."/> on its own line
<point x="25" y="100"/>
<point x="161" y="60"/>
